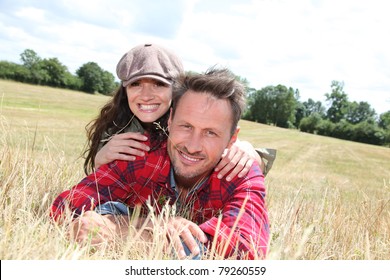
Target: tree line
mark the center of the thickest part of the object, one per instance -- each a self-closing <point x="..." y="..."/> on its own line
<point x="90" y="77"/>
<point x="272" y="105"/>
<point x="355" y="121"/>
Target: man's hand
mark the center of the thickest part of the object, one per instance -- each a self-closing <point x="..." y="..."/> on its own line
<point x="182" y="229"/>
<point x="95" y="228"/>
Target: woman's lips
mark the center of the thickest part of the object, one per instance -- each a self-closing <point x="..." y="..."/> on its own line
<point x="148" y="107"/>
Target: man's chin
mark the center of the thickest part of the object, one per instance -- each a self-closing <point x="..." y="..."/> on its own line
<point x="185" y="173"/>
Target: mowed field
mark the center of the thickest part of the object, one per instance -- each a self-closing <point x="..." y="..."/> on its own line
<point x="327" y="198"/>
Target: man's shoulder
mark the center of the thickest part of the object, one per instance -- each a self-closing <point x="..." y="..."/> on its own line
<point x="254" y="176"/>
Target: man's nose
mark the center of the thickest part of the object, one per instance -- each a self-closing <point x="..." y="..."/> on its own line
<point x="194" y="143"/>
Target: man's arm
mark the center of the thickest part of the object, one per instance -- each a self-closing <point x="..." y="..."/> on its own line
<point x="99" y="229"/>
<point x="106" y="184"/>
<point x="243" y="226"/>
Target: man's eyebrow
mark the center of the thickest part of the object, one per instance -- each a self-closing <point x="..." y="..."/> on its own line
<point x="213" y="129"/>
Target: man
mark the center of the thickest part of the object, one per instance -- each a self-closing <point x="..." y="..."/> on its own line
<point x="227" y="215"/>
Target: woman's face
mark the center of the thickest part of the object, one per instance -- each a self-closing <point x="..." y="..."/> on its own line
<point x="149" y="99"/>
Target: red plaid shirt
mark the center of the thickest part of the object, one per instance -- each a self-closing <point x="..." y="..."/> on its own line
<point x="133" y="183"/>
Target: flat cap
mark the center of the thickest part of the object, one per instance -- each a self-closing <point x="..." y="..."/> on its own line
<point x="149" y="61"/>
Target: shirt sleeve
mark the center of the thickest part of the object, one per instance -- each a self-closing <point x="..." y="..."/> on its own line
<point x="243" y="228"/>
<point x="106" y="184"/>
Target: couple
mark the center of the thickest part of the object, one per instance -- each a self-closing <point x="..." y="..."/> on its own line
<point x="182" y="169"/>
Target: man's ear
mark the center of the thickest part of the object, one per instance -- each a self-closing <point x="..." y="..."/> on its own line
<point x="234" y="137"/>
<point x="170" y="118"/>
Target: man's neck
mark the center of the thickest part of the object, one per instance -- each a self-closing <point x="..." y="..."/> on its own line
<point x="186" y="185"/>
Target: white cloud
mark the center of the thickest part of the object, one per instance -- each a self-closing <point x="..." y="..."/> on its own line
<point x="303" y="44"/>
<point x="31" y="13"/>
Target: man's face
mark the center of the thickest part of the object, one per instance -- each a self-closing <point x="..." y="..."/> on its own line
<point x="198" y="134"/>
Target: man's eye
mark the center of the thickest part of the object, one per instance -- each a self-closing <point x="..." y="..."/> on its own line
<point x="211" y="133"/>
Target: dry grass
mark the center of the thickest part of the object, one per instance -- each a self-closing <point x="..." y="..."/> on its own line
<point x="327" y="198"/>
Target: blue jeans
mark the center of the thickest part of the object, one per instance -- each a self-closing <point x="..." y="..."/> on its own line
<point x="118" y="208"/>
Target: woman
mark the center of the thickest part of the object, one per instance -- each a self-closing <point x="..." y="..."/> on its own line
<point x="140" y="109"/>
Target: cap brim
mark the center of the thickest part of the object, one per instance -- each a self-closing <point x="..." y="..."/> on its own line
<point x="150" y="76"/>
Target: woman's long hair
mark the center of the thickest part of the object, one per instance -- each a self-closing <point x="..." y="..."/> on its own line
<point x="113" y="118"/>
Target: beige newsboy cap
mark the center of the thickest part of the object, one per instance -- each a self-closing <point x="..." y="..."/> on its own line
<point x="149" y="61"/>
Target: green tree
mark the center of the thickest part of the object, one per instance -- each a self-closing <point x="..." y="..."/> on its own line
<point x="91" y="76"/>
<point x="300" y="113"/>
<point x="29" y="58"/>
<point x="359" y="112"/>
<point x="32" y="62"/>
<point x="259" y="105"/>
<point x="273" y="105"/>
<point x="314" y="107"/>
<point x="384" y="120"/>
<point x="55" y="72"/>
<point x="284" y="105"/>
<point x="109" y="84"/>
<point x="338" y="101"/>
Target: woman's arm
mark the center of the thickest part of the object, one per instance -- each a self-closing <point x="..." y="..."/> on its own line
<point x="237" y="160"/>
<point x="123" y="146"/>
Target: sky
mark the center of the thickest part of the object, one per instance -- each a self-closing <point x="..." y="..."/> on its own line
<point x="303" y="44"/>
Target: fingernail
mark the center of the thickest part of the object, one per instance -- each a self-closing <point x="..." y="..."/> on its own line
<point x="182" y="254"/>
<point x="219" y="176"/>
<point x="228" y="178"/>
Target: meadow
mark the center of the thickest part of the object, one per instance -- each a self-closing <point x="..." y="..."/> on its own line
<point x="327" y="198"/>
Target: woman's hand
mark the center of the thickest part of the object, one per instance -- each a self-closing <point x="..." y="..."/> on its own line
<point x="238" y="160"/>
<point x="124" y="146"/>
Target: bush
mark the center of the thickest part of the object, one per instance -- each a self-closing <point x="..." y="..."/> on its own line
<point x="325" y="128"/>
<point x="343" y="130"/>
<point x="368" y="133"/>
<point x="13" y="71"/>
<point x="310" y="123"/>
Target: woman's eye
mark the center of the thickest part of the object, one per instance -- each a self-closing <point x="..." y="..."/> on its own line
<point x="135" y="84"/>
<point x="160" y="84"/>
